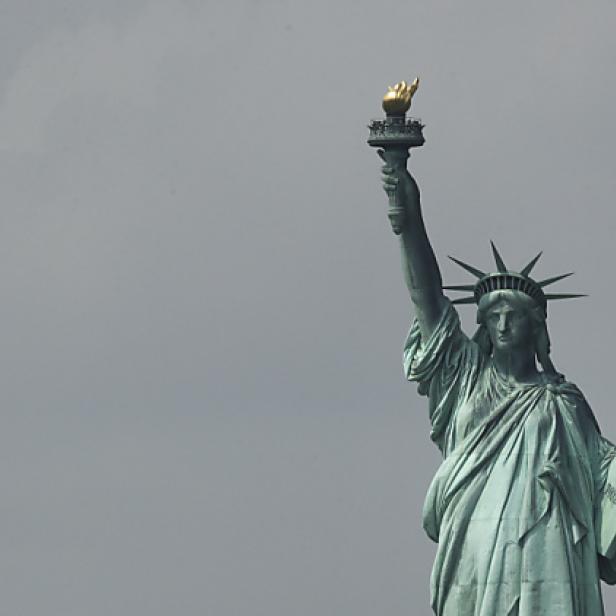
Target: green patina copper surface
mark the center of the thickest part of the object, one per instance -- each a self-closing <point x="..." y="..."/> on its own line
<point x="523" y="506"/>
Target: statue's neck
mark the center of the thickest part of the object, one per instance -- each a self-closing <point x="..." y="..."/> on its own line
<point x="518" y="366"/>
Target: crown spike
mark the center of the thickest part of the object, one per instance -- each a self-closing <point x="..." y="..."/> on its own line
<point x="551" y="296"/>
<point x="527" y="269"/>
<point x="463" y="300"/>
<point x="469" y="268"/>
<point x="500" y="264"/>
<point x="547" y="281"/>
<point x="459" y="287"/>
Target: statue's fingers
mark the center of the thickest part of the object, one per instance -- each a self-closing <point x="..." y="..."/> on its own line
<point x="387" y="170"/>
<point x="389" y="181"/>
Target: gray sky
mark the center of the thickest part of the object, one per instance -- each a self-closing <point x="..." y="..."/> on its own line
<point x="203" y="406"/>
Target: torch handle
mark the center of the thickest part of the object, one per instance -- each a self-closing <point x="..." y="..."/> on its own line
<point x="396" y="159"/>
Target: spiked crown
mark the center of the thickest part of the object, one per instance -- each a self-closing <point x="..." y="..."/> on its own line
<point x="505" y="279"/>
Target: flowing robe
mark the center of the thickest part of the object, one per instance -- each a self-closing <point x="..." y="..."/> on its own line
<point x="514" y="502"/>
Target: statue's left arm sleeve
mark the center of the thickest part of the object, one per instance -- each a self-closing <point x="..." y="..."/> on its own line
<point x="605" y="507"/>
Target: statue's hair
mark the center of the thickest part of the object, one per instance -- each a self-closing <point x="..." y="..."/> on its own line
<point x="536" y="313"/>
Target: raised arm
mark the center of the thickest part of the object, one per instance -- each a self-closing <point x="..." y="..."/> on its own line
<point x="421" y="271"/>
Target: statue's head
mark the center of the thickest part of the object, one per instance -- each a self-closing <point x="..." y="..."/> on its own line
<point x="511" y="318"/>
<point x="511" y="309"/>
<point x="512" y="322"/>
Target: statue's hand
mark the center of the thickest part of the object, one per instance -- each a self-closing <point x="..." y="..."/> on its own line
<point x="399" y="181"/>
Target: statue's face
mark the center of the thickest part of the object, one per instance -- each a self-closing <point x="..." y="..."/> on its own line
<point x="510" y="326"/>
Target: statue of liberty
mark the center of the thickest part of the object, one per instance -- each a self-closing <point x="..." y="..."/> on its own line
<point x="522" y="506"/>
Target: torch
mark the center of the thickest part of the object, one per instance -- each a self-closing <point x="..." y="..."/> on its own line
<point x="394" y="136"/>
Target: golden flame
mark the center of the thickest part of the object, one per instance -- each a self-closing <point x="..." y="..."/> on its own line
<point x="397" y="101"/>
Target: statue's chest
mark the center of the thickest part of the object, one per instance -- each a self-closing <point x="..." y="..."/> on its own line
<point x="485" y="399"/>
<point x="527" y="412"/>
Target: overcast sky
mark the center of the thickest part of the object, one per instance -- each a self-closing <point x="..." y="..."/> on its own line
<point x="202" y="401"/>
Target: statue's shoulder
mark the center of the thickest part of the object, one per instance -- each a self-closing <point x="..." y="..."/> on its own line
<point x="559" y="385"/>
<point x="571" y="395"/>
